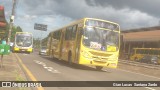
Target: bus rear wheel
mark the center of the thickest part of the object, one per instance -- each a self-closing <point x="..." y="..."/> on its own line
<point x="51" y="55"/>
<point x="70" y="59"/>
<point x="99" y="67"/>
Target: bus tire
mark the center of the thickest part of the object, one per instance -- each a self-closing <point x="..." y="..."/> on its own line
<point x="70" y="58"/>
<point x="52" y="55"/>
<point x="99" y="68"/>
<point x="135" y="59"/>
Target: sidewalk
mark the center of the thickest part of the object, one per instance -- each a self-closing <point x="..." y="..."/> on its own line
<point x="11" y="71"/>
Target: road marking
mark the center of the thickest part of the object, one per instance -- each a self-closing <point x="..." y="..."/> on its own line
<point x="150" y="88"/>
<point x="28" y="71"/>
<point x="50" y="69"/>
<point x="105" y="70"/>
<point x="25" y="54"/>
<point x="140" y="74"/>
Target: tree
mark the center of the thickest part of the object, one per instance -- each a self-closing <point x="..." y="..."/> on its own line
<point x="14" y="30"/>
<point x="4" y="26"/>
<point x="36" y="43"/>
<point x="44" y="41"/>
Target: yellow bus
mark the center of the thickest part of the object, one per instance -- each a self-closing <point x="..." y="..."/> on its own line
<point x="139" y="53"/>
<point x="87" y="41"/>
<point x="23" y="42"/>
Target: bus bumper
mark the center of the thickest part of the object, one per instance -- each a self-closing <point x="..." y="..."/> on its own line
<point x="110" y="63"/>
<point x="22" y="50"/>
<point x="29" y="50"/>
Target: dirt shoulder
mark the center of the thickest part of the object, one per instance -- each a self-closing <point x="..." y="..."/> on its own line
<point x="12" y="71"/>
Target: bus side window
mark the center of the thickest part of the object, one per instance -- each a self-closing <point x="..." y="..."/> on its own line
<point x="68" y="33"/>
<point x="74" y="30"/>
<point x="155" y="52"/>
<point x="138" y="51"/>
<point x="54" y="35"/>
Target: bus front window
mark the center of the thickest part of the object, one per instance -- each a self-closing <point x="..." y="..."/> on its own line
<point x="24" y="40"/>
<point x="100" y="39"/>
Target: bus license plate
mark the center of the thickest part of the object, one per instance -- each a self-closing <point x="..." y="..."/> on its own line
<point x="22" y="50"/>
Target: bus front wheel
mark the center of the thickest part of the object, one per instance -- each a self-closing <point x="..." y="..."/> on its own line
<point x="28" y="52"/>
<point x="99" y="67"/>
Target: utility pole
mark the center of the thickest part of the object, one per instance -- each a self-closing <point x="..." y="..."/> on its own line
<point x="11" y="21"/>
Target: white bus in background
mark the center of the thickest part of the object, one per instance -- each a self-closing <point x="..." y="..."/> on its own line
<point x="23" y="42"/>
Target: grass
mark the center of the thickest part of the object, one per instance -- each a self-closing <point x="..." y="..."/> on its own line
<point x="20" y="78"/>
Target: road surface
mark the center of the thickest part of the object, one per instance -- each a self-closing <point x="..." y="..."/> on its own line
<point x="44" y="68"/>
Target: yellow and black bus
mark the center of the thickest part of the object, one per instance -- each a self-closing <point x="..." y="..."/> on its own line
<point x="23" y="42"/>
<point x="87" y="41"/>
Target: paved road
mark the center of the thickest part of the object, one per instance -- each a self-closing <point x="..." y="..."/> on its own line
<point x="47" y="69"/>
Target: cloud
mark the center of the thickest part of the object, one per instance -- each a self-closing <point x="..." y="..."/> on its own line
<point x="39" y="7"/>
<point x="135" y="19"/>
<point x="58" y="13"/>
<point x="148" y="6"/>
<point x="129" y="14"/>
<point x="29" y="17"/>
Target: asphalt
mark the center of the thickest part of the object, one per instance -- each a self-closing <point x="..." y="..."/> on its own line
<point x="44" y="68"/>
<point x="31" y="67"/>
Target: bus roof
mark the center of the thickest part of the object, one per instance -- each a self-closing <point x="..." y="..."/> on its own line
<point x="102" y="20"/>
<point x="82" y="20"/>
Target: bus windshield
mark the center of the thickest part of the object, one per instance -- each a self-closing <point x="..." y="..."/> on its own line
<point x="24" y="40"/>
<point x="100" y="39"/>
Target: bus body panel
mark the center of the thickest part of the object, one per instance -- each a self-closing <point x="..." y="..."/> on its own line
<point x="49" y="45"/>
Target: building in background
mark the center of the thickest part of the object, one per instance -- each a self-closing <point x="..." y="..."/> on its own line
<point x="148" y="37"/>
<point x="2" y="22"/>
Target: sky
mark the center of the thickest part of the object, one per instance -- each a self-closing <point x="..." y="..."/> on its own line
<point x="130" y="14"/>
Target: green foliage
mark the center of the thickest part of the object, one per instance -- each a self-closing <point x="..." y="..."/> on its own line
<point x="36" y="43"/>
<point x="6" y="30"/>
<point x="44" y="41"/>
<point x="13" y="32"/>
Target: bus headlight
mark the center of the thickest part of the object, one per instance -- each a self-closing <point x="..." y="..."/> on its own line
<point x="16" y="48"/>
<point x="30" y="50"/>
<point x="86" y="55"/>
